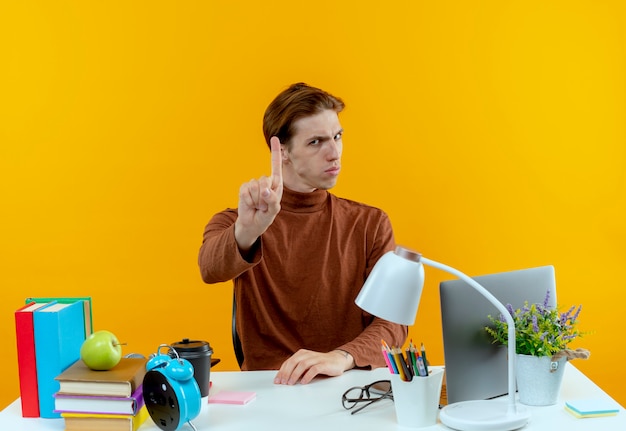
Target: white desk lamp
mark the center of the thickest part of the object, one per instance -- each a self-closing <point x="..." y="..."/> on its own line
<point x="392" y="292"/>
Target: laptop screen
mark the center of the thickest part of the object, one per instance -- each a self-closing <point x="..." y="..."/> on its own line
<point x="475" y="367"/>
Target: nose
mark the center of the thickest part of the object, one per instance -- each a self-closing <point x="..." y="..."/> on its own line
<point x="334" y="151"/>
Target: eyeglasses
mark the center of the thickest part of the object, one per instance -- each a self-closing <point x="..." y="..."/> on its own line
<point x="366" y="395"/>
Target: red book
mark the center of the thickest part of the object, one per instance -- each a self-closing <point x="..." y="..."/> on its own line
<point x="26" y="363"/>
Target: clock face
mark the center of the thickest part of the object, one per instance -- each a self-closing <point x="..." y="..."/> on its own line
<point x="161" y="401"/>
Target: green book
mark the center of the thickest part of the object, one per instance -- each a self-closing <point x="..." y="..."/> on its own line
<point x="69" y="300"/>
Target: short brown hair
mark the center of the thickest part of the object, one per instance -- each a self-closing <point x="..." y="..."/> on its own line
<point x="298" y="101"/>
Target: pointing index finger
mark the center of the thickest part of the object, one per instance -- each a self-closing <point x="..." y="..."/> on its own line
<point x="277" y="164"/>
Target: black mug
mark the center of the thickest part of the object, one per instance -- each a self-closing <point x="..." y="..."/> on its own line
<point x="199" y="354"/>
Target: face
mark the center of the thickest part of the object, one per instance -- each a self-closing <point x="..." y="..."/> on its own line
<point x="312" y="160"/>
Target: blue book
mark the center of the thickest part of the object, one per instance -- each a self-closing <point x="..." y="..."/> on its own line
<point x="59" y="331"/>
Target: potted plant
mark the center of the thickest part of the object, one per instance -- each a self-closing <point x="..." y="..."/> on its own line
<point x="542" y="337"/>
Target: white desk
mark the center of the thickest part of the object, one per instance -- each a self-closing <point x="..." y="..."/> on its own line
<point x="317" y="406"/>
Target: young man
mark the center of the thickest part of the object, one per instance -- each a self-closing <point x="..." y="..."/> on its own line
<point x="299" y="255"/>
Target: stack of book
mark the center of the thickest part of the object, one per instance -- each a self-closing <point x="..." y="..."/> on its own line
<point x="110" y="400"/>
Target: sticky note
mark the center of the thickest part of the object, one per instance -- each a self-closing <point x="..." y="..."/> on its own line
<point x="232" y="397"/>
<point x="591" y="407"/>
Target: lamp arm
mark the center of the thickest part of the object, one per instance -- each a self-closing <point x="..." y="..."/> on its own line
<point x="503" y="311"/>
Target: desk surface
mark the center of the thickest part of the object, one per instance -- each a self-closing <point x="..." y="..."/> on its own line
<point x="317" y="406"/>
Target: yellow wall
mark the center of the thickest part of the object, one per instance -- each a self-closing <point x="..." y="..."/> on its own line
<point x="491" y="132"/>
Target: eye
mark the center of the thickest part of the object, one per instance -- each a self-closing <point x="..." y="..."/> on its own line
<point x="314" y="142"/>
<point x="338" y="136"/>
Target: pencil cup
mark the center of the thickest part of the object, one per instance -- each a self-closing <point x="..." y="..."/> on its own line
<point x="417" y="401"/>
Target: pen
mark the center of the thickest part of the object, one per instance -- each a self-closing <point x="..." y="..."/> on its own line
<point x="422" y="367"/>
<point x="408" y="376"/>
<point x="409" y="361"/>
<point x="424" y="359"/>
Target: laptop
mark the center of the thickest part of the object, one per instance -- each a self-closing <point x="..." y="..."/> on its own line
<point x="475" y="367"/>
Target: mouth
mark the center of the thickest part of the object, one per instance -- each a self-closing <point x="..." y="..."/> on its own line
<point x="333" y="171"/>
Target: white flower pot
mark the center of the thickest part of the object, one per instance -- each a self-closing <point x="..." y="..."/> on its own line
<point x="539" y="379"/>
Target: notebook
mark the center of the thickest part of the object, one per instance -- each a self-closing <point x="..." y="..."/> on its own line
<point x="475" y="367"/>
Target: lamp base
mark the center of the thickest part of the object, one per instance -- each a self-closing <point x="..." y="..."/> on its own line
<point x="484" y="415"/>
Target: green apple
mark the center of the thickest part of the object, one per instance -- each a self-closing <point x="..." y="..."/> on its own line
<point x="101" y="351"/>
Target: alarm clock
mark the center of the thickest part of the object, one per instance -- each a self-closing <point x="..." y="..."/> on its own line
<point x="170" y="393"/>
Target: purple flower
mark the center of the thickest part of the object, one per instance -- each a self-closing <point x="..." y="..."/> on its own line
<point x="509" y="307"/>
<point x="546" y="299"/>
<point x="566" y="316"/>
<point x="535" y="327"/>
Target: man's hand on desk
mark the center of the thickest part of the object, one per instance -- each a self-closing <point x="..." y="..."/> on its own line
<point x="304" y="365"/>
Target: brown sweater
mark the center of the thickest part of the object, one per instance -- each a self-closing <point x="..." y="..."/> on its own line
<point x="297" y="287"/>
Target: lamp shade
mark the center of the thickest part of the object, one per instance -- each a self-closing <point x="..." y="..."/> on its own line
<point x="393" y="289"/>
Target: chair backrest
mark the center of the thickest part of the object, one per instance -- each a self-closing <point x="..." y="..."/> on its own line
<point x="236" y="340"/>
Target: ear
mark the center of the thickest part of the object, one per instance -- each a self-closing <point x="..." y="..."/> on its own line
<point x="284" y="152"/>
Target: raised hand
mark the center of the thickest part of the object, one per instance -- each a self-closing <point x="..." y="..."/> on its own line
<point x="259" y="202"/>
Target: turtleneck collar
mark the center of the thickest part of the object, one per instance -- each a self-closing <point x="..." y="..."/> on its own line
<point x="303" y="202"/>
